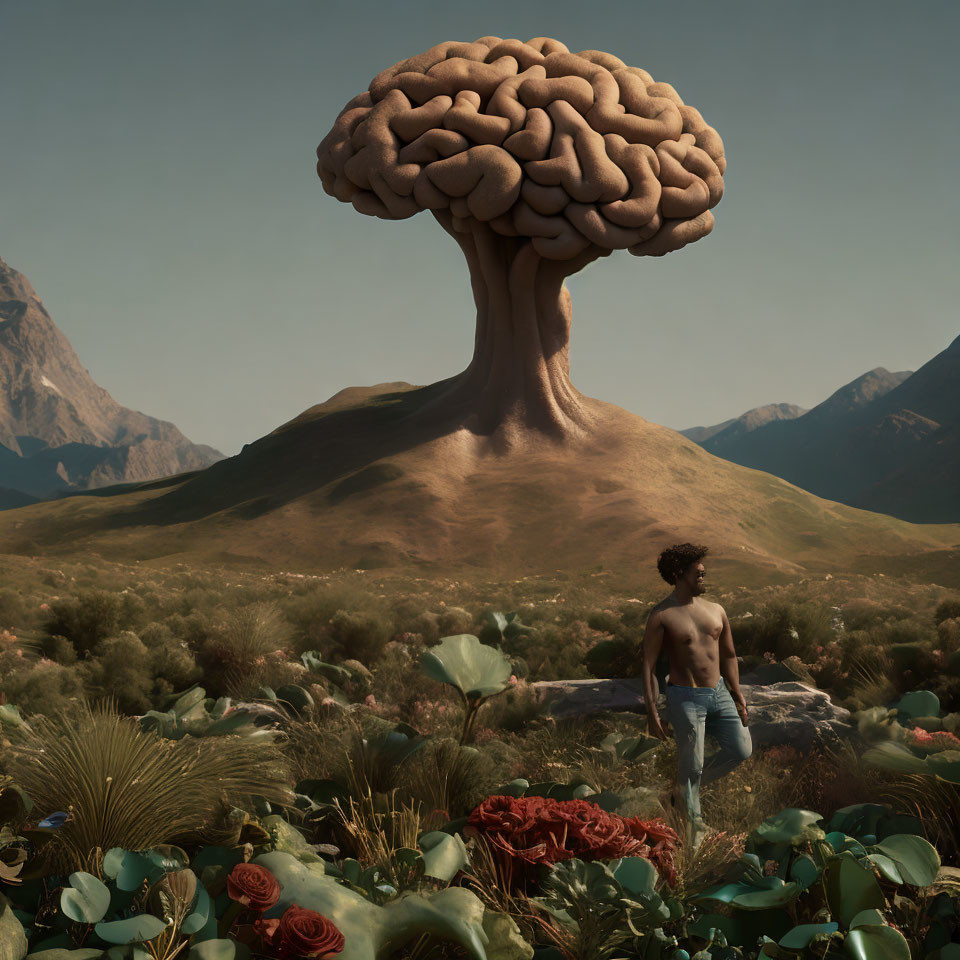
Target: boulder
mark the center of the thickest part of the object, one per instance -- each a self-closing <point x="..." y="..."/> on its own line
<point x="787" y="712"/>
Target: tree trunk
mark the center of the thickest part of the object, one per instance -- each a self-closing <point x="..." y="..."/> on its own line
<point x="519" y="378"/>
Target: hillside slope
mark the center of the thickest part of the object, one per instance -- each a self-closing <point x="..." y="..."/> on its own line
<point x="350" y="482"/>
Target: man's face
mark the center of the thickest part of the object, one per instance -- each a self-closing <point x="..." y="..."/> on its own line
<point x="693" y="579"/>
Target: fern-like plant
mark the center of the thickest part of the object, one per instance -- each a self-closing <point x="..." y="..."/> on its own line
<point x="123" y="786"/>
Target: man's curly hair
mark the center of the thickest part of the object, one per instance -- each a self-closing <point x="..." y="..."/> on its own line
<point x="675" y="560"/>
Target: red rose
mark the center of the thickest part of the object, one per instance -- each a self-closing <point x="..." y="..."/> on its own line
<point x="301" y="933"/>
<point x="253" y="886"/>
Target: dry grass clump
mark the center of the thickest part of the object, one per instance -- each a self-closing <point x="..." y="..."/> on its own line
<point x="372" y="832"/>
<point x="126" y="787"/>
<point x="448" y="780"/>
<point x="237" y="658"/>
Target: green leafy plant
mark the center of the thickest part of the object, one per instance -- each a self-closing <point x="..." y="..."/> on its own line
<point x="193" y="714"/>
<point x="819" y="876"/>
<point x="476" y="671"/>
<point x="600" y="907"/>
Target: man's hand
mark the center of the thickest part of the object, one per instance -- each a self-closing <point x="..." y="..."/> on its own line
<point x="741" y="706"/>
<point x="658" y="728"/>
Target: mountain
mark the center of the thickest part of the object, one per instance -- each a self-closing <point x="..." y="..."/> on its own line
<point x="745" y="423"/>
<point x="363" y="481"/>
<point x="59" y="430"/>
<point x="885" y="441"/>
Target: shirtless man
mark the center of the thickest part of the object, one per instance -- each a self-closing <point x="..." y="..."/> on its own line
<point x="695" y="634"/>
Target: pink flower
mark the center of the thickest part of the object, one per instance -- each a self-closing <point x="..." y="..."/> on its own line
<point x="370" y="700"/>
<point x="513" y="678"/>
<point x="921" y="736"/>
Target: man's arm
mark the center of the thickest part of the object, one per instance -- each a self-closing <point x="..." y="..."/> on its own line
<point x="652" y="644"/>
<point x="729" y="669"/>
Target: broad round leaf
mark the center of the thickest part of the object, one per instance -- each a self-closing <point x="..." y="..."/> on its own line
<point x="858" y="818"/>
<point x="725" y="892"/>
<point x="444" y="855"/>
<point x="515" y="788"/>
<point x="917" y="860"/>
<point x="894" y="756"/>
<point x="136" y="929"/>
<point x="778" y="895"/>
<point x="805" y="871"/>
<point x="876" y="943"/>
<point x="475" y="669"/>
<point x="919" y="703"/>
<point x="218" y="950"/>
<point x="886" y="866"/>
<point x="197" y="920"/>
<point x="850" y="887"/>
<point x="637" y="875"/>
<point x="799" y="938"/>
<point x="867" y="918"/>
<point x="86" y="899"/>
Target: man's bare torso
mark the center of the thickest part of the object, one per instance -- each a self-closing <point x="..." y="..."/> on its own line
<point x="691" y="639"/>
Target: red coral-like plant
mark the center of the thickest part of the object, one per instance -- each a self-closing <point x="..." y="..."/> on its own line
<point x="540" y="830"/>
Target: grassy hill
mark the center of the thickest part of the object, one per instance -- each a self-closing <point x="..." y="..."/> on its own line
<point x="361" y="481"/>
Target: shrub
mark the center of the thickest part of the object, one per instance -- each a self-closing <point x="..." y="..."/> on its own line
<point x="60" y="650"/>
<point x="862" y="653"/>
<point x="43" y="687"/>
<point x="85" y="620"/>
<point x="785" y="629"/>
<point x="618" y="657"/>
<point x="120" y="669"/>
<point x="310" y="615"/>
<point x="359" y="636"/>
<point x="236" y="657"/>
<point x="948" y="635"/>
<point x="455" y="620"/>
<point x="866" y="614"/>
<point x="13" y="611"/>
<point x="948" y="609"/>
<point x="915" y="631"/>
<point x="513" y="710"/>
<point x="449" y="780"/>
<point x="604" y="621"/>
<point x="127" y="787"/>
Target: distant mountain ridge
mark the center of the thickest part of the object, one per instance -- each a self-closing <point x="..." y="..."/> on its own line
<point x="745" y="423"/>
<point x="888" y="442"/>
<point x="61" y="431"/>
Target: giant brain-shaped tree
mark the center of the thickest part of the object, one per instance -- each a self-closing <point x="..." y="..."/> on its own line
<point x="537" y="161"/>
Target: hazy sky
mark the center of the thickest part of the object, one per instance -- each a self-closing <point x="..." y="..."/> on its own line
<point x="158" y="188"/>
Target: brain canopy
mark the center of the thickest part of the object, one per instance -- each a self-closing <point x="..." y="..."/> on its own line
<point x="568" y="149"/>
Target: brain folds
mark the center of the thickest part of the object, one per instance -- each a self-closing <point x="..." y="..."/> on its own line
<point x="568" y="149"/>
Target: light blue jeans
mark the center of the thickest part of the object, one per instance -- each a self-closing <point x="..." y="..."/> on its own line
<point x="694" y="712"/>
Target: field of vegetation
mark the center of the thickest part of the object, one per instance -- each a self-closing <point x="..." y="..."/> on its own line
<point x="218" y="764"/>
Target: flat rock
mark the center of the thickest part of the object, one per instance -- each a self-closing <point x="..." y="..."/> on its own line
<point x="788" y="712"/>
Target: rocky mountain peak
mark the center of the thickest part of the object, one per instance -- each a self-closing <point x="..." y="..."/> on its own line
<point x="59" y="428"/>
